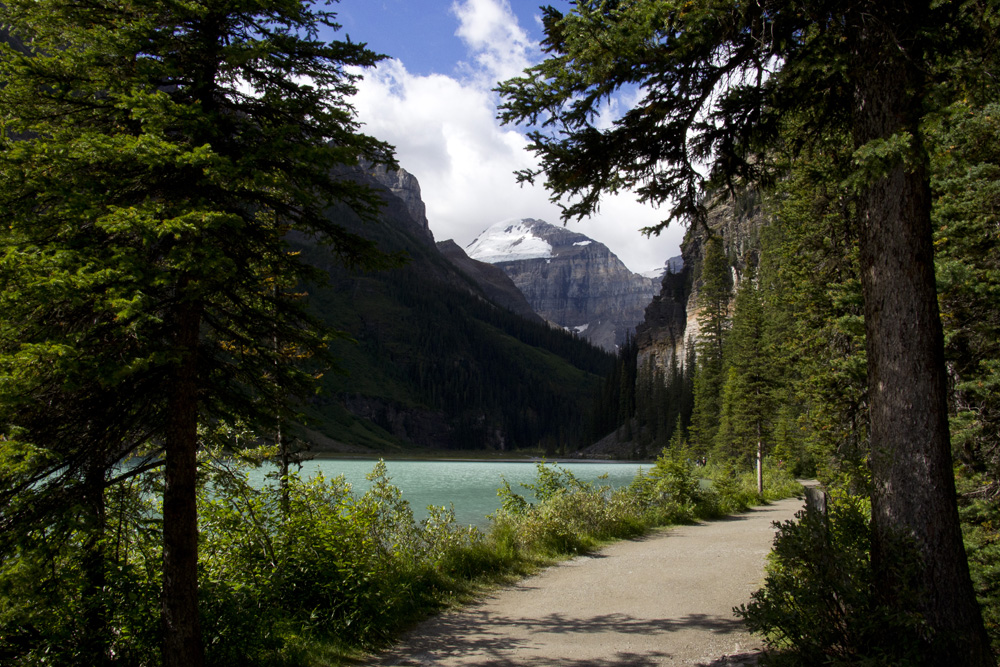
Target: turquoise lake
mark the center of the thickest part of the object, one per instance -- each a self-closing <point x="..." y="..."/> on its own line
<point x="471" y="486"/>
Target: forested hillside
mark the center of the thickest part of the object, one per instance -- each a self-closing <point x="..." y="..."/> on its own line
<point x="431" y="362"/>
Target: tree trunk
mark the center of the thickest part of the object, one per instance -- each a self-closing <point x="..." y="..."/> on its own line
<point x="913" y="495"/>
<point x="182" y="644"/>
<point x="97" y="637"/>
<point x="760" y="467"/>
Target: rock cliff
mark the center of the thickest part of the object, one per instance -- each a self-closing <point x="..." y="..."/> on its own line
<point x="568" y="278"/>
<point x="670" y="322"/>
<point x="406" y="189"/>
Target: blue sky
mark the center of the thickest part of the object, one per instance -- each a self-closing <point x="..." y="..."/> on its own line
<point x="421" y="33"/>
<point x="433" y="101"/>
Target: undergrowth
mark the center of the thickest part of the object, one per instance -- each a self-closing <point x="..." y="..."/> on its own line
<point x="819" y="603"/>
<point x="321" y="574"/>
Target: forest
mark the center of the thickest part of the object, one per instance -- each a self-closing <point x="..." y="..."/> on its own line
<point x="155" y="337"/>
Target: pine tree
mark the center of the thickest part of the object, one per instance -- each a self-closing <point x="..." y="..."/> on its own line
<point x="810" y="262"/>
<point x="155" y="157"/>
<point x="752" y="378"/>
<point x="967" y="180"/>
<point x="719" y="82"/>
<point x="714" y="298"/>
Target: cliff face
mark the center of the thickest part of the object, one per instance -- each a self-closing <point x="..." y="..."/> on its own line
<point x="406" y="190"/>
<point x="661" y="333"/>
<point x="569" y="279"/>
<point x="670" y="322"/>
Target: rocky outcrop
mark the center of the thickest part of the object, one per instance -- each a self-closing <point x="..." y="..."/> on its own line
<point x="568" y="278"/>
<point x="661" y="333"/>
<point x="406" y="189"/>
<point x="494" y="283"/>
<point x="670" y="323"/>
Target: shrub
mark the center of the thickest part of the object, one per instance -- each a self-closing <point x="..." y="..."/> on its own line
<point x="313" y="575"/>
<point x="817" y="605"/>
<point x="980" y="514"/>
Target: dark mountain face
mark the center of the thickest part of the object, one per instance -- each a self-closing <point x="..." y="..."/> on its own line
<point x="435" y="361"/>
<point x="496" y="285"/>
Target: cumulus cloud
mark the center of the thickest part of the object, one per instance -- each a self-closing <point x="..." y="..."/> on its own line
<point x="446" y="134"/>
<point x="499" y="46"/>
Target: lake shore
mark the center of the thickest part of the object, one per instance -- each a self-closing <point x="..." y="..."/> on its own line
<point x="468" y="456"/>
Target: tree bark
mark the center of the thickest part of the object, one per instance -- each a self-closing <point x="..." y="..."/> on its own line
<point x="94" y="566"/>
<point x="913" y="495"/>
<point x="760" y="466"/>
<point x="182" y="643"/>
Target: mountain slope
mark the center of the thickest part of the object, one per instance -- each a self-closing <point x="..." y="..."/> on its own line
<point x="434" y="362"/>
<point x="568" y="278"/>
<point x="497" y="286"/>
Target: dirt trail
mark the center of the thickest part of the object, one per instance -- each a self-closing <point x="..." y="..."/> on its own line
<point x="665" y="599"/>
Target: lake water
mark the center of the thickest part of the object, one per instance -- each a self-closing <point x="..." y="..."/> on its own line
<point x="470" y="485"/>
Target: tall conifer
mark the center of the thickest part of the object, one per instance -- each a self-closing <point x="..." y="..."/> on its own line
<point x="720" y="82"/>
<point x="154" y="158"/>
<point x="714" y="295"/>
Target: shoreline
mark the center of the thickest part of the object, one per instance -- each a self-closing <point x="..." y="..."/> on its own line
<point x="334" y="456"/>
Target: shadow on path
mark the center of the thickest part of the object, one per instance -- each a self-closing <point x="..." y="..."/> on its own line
<point x="577" y="634"/>
<point x="620" y="659"/>
<point x="483" y="639"/>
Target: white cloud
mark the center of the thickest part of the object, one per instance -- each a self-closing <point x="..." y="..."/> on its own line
<point x="446" y="134"/>
<point x="498" y="45"/>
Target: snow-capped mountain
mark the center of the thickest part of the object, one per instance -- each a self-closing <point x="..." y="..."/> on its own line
<point x="569" y="279"/>
<point x="509" y="241"/>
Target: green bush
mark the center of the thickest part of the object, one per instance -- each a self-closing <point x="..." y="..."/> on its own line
<point x="568" y="516"/>
<point x="352" y="568"/>
<point x="817" y="605"/>
<point x="732" y="492"/>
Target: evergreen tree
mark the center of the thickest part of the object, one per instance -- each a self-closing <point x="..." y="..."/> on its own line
<point x="714" y="298"/>
<point x="155" y="157"/>
<point x="809" y="261"/>
<point x="748" y="395"/>
<point x="967" y="182"/>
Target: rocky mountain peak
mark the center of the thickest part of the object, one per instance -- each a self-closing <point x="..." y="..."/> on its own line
<point x="568" y="278"/>
<point x="511" y="241"/>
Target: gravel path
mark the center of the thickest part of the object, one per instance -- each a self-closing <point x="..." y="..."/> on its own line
<point x="665" y="599"/>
